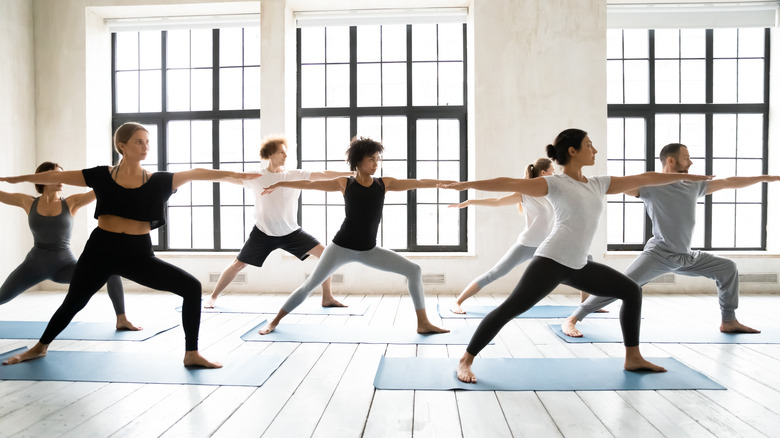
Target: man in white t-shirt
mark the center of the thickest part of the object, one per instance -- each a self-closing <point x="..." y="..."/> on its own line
<point x="276" y="220"/>
<point x="672" y="209"/>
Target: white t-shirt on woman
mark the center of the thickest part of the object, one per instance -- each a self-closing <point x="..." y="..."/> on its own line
<point x="539" y="218"/>
<point x="577" y="208"/>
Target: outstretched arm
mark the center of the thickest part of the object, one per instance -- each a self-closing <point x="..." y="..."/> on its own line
<point x="531" y="187"/>
<point x="20" y="200"/>
<point x="75" y="202"/>
<point x="327" y="185"/>
<point x="328" y="174"/>
<point x="738" y="182"/>
<point x="183" y="177"/>
<point x="400" y="185"/>
<point x="70" y="177"/>
<point x="512" y="199"/>
<point x="624" y="184"/>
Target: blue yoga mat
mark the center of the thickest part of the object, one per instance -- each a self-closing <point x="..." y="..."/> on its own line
<point x="511" y="374"/>
<point x="533" y="312"/>
<point x="356" y="335"/>
<point x="81" y="331"/>
<point x="609" y="331"/>
<point x="306" y="309"/>
<point x="109" y="366"/>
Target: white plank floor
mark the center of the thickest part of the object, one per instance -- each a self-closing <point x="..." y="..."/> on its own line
<point x="326" y="390"/>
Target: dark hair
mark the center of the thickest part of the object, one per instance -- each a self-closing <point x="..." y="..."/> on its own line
<point x="570" y="138"/>
<point x="361" y="147"/>
<point x="125" y="132"/>
<point x="670" y="150"/>
<point x="45" y="167"/>
<point x="533" y="170"/>
<point x="271" y="146"/>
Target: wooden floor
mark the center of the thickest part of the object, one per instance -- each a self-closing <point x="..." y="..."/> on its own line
<point x="325" y="390"/>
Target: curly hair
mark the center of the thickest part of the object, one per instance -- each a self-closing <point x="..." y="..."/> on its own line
<point x="361" y="147"/>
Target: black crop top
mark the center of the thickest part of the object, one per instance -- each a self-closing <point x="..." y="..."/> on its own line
<point x="145" y="203"/>
<point x="363" y="208"/>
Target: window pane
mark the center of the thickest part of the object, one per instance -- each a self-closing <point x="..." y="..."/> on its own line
<point x="252" y="88"/>
<point x="150" y="163"/>
<point x="449" y="139"/>
<point x="724" y="135"/>
<point x="201" y="46"/>
<point x="615" y="134"/>
<point x="751" y="43"/>
<point x="616" y="223"/>
<point x="252" y="139"/>
<point x="202" y="144"/>
<point x="178" y="87"/>
<point x="635" y="43"/>
<point x="748" y="233"/>
<point x="667" y="43"/>
<point x="202" y="228"/>
<point x="369" y="85"/>
<point x="450" y="42"/>
<point x="724" y="43"/>
<point x="127" y="50"/>
<point x="637" y="81"/>
<point x="230" y="47"/>
<point x="451" y="83"/>
<point x="202" y="192"/>
<point x="149" y="47"/>
<point x="179" y="142"/>
<point x="750" y="135"/>
<point x="314" y="227"/>
<point x="614" y="43"/>
<point x="232" y="194"/>
<point x="338" y="137"/>
<point x="334" y="218"/>
<point x="179" y="236"/>
<point x="615" y="81"/>
<point x="337" y="92"/>
<point x="750" y="87"/>
<point x="424" y="44"/>
<point x="313" y="138"/>
<point x="724" y="79"/>
<point x="370" y="127"/>
<point x="394" y="232"/>
<point x="202" y="86"/>
<point x="635" y="222"/>
<point x="692" y="78"/>
<point x="151" y="91"/>
<point x="337" y="44"/>
<point x="667" y="81"/>
<point x="424" y="84"/>
<point x="449" y="226"/>
<point x="723" y="225"/>
<point x="635" y="138"/>
<point x="369" y="44"/>
<point x="693" y="132"/>
<point x="393" y="42"/>
<point x="127" y="92"/>
<point x="231" y="234"/>
<point x="692" y="43"/>
<point x="393" y="84"/>
<point x="230" y="93"/>
<point x="251" y="46"/>
<point x="427" y="224"/>
<point x="312" y="44"/>
<point x="312" y="86"/>
<point x="394" y="138"/>
<point x="427" y="139"/>
<point x="178" y="48"/>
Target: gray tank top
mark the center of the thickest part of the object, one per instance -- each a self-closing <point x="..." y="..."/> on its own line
<point x="50" y="232"/>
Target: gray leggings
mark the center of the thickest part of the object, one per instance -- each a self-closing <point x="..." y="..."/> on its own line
<point x="336" y="256"/>
<point x="55" y="265"/>
<point x="516" y="255"/>
<point x="654" y="263"/>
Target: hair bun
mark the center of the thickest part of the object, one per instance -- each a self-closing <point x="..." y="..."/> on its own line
<point x="551" y="152"/>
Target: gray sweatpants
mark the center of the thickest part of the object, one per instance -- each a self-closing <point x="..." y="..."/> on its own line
<point x="383" y="259"/>
<point x="516" y="255"/>
<point x="653" y="263"/>
<point x="55" y="265"/>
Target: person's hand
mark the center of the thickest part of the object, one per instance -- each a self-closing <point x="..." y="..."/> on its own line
<point x="10" y="179"/>
<point x="463" y="204"/>
<point x="268" y="190"/>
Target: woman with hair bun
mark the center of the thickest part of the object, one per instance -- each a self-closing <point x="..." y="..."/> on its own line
<point x="562" y="258"/>
<point x="50" y="217"/>
<point x="538" y="223"/>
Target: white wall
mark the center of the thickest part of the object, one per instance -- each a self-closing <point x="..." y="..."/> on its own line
<point x="17" y="122"/>
<point x="536" y="67"/>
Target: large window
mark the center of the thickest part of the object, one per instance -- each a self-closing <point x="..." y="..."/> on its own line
<point x="707" y="89"/>
<point x="405" y="86"/>
<point x="198" y="93"/>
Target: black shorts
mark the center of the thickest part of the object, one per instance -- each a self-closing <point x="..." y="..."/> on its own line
<point x="259" y="245"/>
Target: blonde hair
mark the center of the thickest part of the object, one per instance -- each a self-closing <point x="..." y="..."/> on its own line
<point x="125" y="132"/>
<point x="535" y="169"/>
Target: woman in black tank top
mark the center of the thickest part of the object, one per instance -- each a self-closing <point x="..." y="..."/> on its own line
<point x="364" y="198"/>
<point x="51" y="257"/>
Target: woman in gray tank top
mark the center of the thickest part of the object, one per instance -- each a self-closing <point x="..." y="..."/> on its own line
<point x="50" y="218"/>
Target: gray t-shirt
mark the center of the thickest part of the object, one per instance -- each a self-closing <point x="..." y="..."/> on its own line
<point x="672" y="208"/>
<point x="577" y="208"/>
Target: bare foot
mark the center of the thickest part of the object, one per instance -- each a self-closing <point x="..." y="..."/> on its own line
<point x="331" y="302"/>
<point x="456" y="308"/>
<point x="37" y="351"/>
<point x="736" y="327"/>
<point x="568" y="327"/>
<point x="269" y="328"/>
<point x="209" y="302"/>
<point x="123" y="324"/>
<point x="640" y="364"/>
<point x="428" y="328"/>
<point x="194" y="359"/>
<point x="464" y="369"/>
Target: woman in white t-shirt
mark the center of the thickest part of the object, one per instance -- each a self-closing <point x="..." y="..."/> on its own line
<point x="538" y="223"/>
<point x="562" y="258"/>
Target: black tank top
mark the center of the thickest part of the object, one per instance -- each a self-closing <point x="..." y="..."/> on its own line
<point x="50" y="232"/>
<point x="363" y="208"/>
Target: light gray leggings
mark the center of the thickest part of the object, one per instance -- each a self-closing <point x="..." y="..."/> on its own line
<point x="55" y="265"/>
<point x="652" y="264"/>
<point x="516" y="255"/>
<point x="383" y="259"/>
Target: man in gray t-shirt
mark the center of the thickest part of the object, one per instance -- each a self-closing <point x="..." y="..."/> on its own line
<point x="672" y="209"/>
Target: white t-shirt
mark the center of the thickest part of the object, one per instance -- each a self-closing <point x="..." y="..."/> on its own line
<point x="276" y="214"/>
<point x="577" y="207"/>
<point x="539" y="219"/>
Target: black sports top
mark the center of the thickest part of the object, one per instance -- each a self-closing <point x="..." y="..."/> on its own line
<point x="145" y="203"/>
<point x="50" y="232"/>
<point x="363" y="208"/>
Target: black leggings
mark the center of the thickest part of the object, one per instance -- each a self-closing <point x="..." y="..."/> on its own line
<point x="542" y="276"/>
<point x="55" y="265"/>
<point x="128" y="256"/>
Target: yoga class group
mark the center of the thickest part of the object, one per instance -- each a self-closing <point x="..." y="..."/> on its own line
<point x="561" y="207"/>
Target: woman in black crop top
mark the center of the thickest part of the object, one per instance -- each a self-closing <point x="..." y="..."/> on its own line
<point x="50" y="217"/>
<point x="130" y="203"/>
<point x="364" y="198"/>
